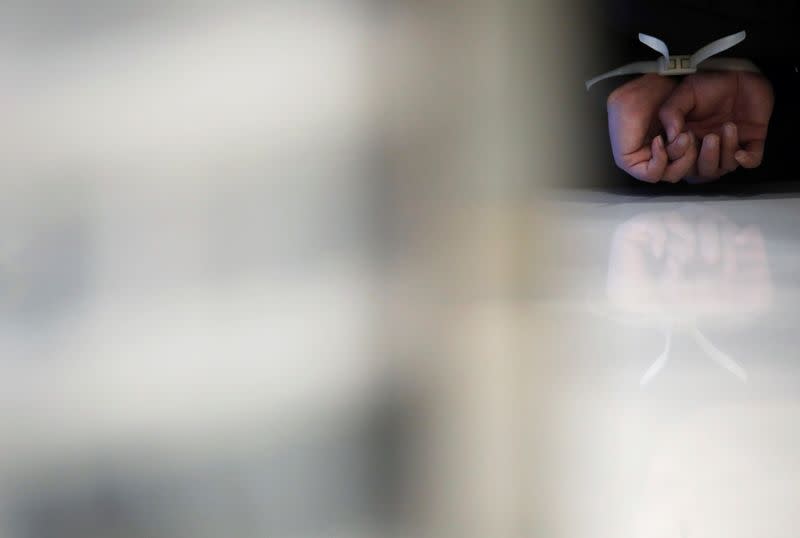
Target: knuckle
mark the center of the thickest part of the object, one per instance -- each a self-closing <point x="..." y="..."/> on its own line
<point x="622" y="94"/>
<point x="654" y="174"/>
<point x="616" y="98"/>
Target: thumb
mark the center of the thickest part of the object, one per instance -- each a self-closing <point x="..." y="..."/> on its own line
<point x="674" y="110"/>
<point x="752" y="154"/>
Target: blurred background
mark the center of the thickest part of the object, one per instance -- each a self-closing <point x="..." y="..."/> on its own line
<point x="273" y="268"/>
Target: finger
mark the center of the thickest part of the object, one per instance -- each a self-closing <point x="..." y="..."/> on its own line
<point x="652" y="169"/>
<point x="730" y="145"/>
<point x="728" y="253"/>
<point x="644" y="229"/>
<point x="674" y="110"/>
<point x="677" y="148"/>
<point x="682" y="166"/>
<point x="751" y="251"/>
<point x="683" y="239"/>
<point x="752" y="155"/>
<point x="631" y="109"/>
<point x="708" y="161"/>
<point x="708" y="234"/>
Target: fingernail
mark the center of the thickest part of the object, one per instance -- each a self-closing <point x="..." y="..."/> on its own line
<point x="672" y="132"/>
<point x="740" y="155"/>
<point x="659" y="141"/>
<point x="683" y="139"/>
<point x="712" y="141"/>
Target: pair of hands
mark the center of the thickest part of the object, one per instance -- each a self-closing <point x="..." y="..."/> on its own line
<point x="703" y="127"/>
<point x="688" y="264"/>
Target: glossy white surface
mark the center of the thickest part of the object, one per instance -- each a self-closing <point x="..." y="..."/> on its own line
<point x="679" y="399"/>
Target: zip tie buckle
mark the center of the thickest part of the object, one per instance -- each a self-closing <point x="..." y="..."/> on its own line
<point x="668" y="65"/>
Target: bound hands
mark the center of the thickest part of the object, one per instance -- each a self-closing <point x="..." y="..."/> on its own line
<point x="703" y="127"/>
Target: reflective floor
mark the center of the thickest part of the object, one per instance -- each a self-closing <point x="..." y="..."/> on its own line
<point x="679" y="396"/>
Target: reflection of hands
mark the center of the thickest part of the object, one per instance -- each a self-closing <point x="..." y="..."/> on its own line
<point x="634" y="127"/>
<point x="671" y="264"/>
<point x="728" y="113"/>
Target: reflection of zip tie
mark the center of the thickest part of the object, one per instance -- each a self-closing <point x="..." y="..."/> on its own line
<point x="668" y="65"/>
<point x="718" y="356"/>
<point x="661" y="361"/>
<point x="705" y="344"/>
<point x="713" y="352"/>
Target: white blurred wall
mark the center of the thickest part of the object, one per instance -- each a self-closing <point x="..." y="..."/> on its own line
<point x="275" y="215"/>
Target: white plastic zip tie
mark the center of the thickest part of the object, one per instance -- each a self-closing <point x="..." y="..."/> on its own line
<point x="718" y="356"/>
<point x="660" y="362"/>
<point x="668" y="65"/>
<point x="705" y="344"/>
<point x="713" y="352"/>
